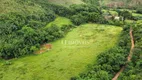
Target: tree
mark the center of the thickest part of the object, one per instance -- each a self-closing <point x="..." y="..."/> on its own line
<point x="125" y="14"/>
<point x="78" y="19"/>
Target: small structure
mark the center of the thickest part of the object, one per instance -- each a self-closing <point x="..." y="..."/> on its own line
<point x="116" y="18"/>
<point x="109" y="16"/>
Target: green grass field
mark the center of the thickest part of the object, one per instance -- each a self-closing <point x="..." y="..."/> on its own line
<point x="68" y="57"/>
<point x="60" y="21"/>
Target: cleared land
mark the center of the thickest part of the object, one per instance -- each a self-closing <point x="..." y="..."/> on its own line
<point x="68" y="57"/>
<point x="60" y="21"/>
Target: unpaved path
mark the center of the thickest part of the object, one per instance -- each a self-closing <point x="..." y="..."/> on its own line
<point x="129" y="56"/>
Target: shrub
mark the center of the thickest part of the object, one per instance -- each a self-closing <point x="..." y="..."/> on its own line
<point x="139" y="10"/>
<point x="125" y="14"/>
<point x="7" y="63"/>
<point x="66" y="28"/>
<point x="78" y="19"/>
<point x="60" y="10"/>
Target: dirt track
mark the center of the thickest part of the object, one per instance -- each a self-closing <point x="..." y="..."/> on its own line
<point x="129" y="56"/>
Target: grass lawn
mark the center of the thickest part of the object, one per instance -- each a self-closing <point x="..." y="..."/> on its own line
<point x="68" y="57"/>
<point x="60" y="21"/>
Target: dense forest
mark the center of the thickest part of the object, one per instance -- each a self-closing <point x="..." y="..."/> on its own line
<point x="23" y="29"/>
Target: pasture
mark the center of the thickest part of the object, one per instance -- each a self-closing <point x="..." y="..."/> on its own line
<point x="60" y="21"/>
<point x="68" y="57"/>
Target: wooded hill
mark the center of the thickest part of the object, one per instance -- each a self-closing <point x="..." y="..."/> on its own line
<point x="23" y="22"/>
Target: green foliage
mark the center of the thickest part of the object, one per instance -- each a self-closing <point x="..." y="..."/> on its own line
<point x="7" y="63"/>
<point x="110" y="61"/>
<point x="87" y="8"/>
<point x="54" y="32"/>
<point x="60" y="10"/>
<point x="78" y="19"/>
<point x="20" y="6"/>
<point x="66" y="28"/>
<point x="133" y="69"/>
<point x="86" y="13"/>
<point x="69" y="60"/>
<point x="21" y="33"/>
<point x="66" y="3"/>
<point x="60" y="21"/>
<point x="115" y="22"/>
<point x="125" y="14"/>
<point x="139" y="10"/>
<point x="17" y="38"/>
<point x="93" y="2"/>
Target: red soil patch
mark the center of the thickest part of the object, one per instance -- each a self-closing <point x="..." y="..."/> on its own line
<point x="44" y="48"/>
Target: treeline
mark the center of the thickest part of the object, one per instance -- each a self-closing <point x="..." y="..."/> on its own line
<point x="85" y="14"/>
<point x="92" y="2"/>
<point x="133" y="70"/>
<point x="110" y="61"/>
<point x="23" y="33"/>
<point x="79" y="14"/>
<point x="20" y="32"/>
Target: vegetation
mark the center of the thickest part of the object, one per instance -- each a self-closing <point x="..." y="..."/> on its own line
<point x="133" y="70"/>
<point x="60" y="21"/>
<point x="15" y="25"/>
<point x="85" y="14"/>
<point x="68" y="57"/>
<point x="85" y="40"/>
<point x="66" y="2"/>
<point x="93" y="2"/>
<point x="125" y="15"/>
<point x="108" y="62"/>
<point x="139" y="10"/>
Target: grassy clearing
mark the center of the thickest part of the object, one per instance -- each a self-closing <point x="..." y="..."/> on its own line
<point x="111" y="12"/>
<point x="136" y="14"/>
<point x="66" y="2"/>
<point x="60" y="21"/>
<point x="129" y="21"/>
<point x="68" y="57"/>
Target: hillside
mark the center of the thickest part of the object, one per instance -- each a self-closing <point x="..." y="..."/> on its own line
<point x="128" y="3"/>
<point x="70" y="55"/>
<point x="26" y="7"/>
<point x="89" y="40"/>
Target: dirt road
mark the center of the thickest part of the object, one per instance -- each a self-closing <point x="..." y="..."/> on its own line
<point x="129" y="56"/>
